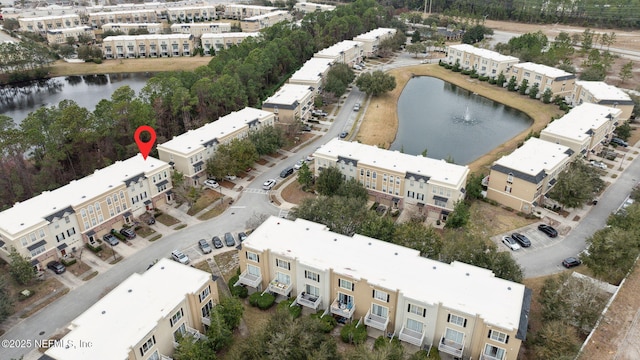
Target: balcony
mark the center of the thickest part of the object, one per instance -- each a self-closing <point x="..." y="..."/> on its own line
<point x="206" y="320"/>
<point x="165" y="357"/>
<point x="345" y="310"/>
<point x="411" y="336"/>
<point x="280" y="288"/>
<point x="249" y="280"/>
<point x="489" y="357"/>
<point x="450" y="347"/>
<point x="375" y="321"/>
<point x="195" y="333"/>
<point x="309" y="300"/>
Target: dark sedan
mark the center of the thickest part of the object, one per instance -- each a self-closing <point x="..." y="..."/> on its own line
<point x="217" y="243"/>
<point x="229" y="240"/>
<point x="549" y="230"/>
<point x="571" y="262"/>
<point x="523" y="240"/>
<point x="56" y="267"/>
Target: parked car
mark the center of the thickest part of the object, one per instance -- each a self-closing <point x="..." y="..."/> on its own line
<point x="571" y="262"/>
<point x="306" y="128"/>
<point x="298" y="165"/>
<point x="619" y="142"/>
<point x="511" y="244"/>
<point x="356" y="107"/>
<point x="357" y="67"/>
<point x="56" y="267"/>
<point x="549" y="230"/>
<point x="212" y="184"/>
<point x="180" y="257"/>
<point x="318" y="113"/>
<point x="128" y="233"/>
<point x="151" y="220"/>
<point x="111" y="239"/>
<point x="286" y="172"/>
<point x="230" y="177"/>
<point x="598" y="164"/>
<point x="217" y="243"/>
<point x="521" y="239"/>
<point x="344" y="134"/>
<point x="269" y="184"/>
<point x="229" y="240"/>
<point x="242" y="236"/>
<point x="310" y="158"/>
<point x="204" y="246"/>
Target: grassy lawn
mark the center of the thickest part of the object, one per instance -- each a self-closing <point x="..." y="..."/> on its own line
<point x="228" y="263"/>
<point x="145" y="231"/>
<point x="62" y="68"/>
<point x="490" y="220"/>
<point x="203" y="265"/>
<point x="217" y="210"/>
<point x="293" y="193"/>
<point x="78" y="268"/>
<point x="167" y="220"/>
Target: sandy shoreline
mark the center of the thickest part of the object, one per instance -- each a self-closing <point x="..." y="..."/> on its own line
<point x="380" y="123"/>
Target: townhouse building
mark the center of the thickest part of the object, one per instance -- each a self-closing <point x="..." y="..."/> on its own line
<point x="152" y="28"/>
<point x="312" y="73"/>
<point x="241" y="11"/>
<point x="485" y="62"/>
<point x="462" y="310"/>
<point x="199" y="29"/>
<point x="182" y="14"/>
<point x="371" y="40"/>
<point x="347" y="52"/>
<point x="308" y="7"/>
<point x="584" y="129"/>
<point x="291" y="103"/>
<point x="216" y="42"/>
<point x="150" y="45"/>
<point x="560" y="82"/>
<point x="42" y="24"/>
<point x="143" y="317"/>
<point x="394" y="178"/>
<point x="522" y="179"/>
<point x="97" y="19"/>
<point x="599" y="92"/>
<point x="59" y="36"/>
<point x="259" y="22"/>
<point x="59" y="222"/>
<point x="189" y="152"/>
<point x="127" y="7"/>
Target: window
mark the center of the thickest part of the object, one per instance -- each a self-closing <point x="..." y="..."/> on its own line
<point x="24" y="241"/>
<point x="204" y="293"/>
<point x="71" y="231"/>
<point x="253" y="270"/>
<point x="177" y="335"/>
<point x="154" y="356"/>
<point x="454" y="336"/>
<point x="440" y="203"/>
<point x="312" y="290"/>
<point x="147" y="345"/>
<point x="312" y="276"/>
<point x="36" y="252"/>
<point x="32" y="236"/>
<point x="253" y="256"/>
<point x="494" y="352"/>
<point x="346" y="284"/>
<point x="41" y="233"/>
<point x="206" y="309"/>
<point x="457" y="320"/>
<point x="283" y="278"/>
<point x="418" y="310"/>
<point x="510" y="178"/>
<point x="498" y="336"/>
<point x="283" y="264"/>
<point x="379" y="311"/>
<point x="414" y="325"/>
<point x="507" y="188"/>
<point x="67" y="220"/>
<point x="380" y="295"/>
<point x="176" y="317"/>
<point x="60" y="237"/>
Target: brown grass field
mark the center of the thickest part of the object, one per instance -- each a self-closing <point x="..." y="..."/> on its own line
<point x="62" y="68"/>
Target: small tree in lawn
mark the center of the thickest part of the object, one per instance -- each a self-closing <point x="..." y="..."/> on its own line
<point x="523" y="87"/>
<point x="501" y="79"/>
<point x="329" y="181"/>
<point x="305" y="177"/>
<point x="533" y="91"/>
<point x="546" y="96"/>
<point x="6" y="304"/>
<point x="460" y="215"/>
<point x="626" y="72"/>
<point x="20" y="268"/>
<point x="511" y="86"/>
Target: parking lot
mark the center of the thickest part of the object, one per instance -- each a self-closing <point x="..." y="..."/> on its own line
<point x="539" y="240"/>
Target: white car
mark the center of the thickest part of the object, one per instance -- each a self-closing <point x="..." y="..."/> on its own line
<point x="598" y="164"/>
<point x="511" y="243"/>
<point x="269" y="184"/>
<point x="230" y="177"/>
<point x="298" y="165"/>
<point x="212" y="184"/>
<point x="180" y="257"/>
<point x="310" y="158"/>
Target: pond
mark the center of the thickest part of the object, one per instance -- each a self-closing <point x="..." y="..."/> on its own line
<point x="451" y="122"/>
<point x="87" y="90"/>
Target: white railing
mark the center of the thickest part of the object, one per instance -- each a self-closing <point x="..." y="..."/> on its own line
<point x="375" y="321"/>
<point x="249" y="279"/>
<point x="309" y="300"/>
<point x="165" y="357"/>
<point x="450" y="347"/>
<point x="280" y="287"/>
<point x="411" y="336"/>
<point x="345" y="310"/>
<point x="206" y="320"/>
<point x="489" y="357"/>
<point x="195" y="333"/>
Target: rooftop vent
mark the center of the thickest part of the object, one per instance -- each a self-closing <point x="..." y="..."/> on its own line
<point x="130" y="290"/>
<point x="103" y="312"/>
<point x="467" y="274"/>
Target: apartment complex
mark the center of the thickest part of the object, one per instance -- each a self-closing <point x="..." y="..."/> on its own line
<point x="152" y="28"/>
<point x="97" y="19"/>
<point x="43" y="24"/>
<point x="462" y="310"/>
<point x="143" y="317"/>
<point x="584" y="129"/>
<point x="485" y="62"/>
<point x="307" y="7"/>
<point x="394" y="178"/>
<point x="599" y="92"/>
<point x="151" y="45"/>
<point x="521" y="179"/>
<point x="182" y="14"/>
<point x="372" y="39"/>
<point x="291" y="103"/>
<point x="312" y="73"/>
<point x="240" y="11"/>
<point x="560" y="82"/>
<point x="59" y="36"/>
<point x="347" y="52"/>
<point x="259" y="22"/>
<point x="199" y="29"/>
<point x="216" y="42"/>
<point x="61" y="221"/>
<point x="189" y="152"/>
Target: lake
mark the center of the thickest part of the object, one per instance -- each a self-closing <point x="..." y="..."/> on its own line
<point x="451" y="122"/>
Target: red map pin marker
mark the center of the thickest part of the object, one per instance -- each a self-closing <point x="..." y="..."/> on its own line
<point x="145" y="147"/>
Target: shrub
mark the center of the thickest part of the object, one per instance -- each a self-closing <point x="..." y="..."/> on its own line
<point x="263" y="302"/>
<point x="328" y="322"/>
<point x="66" y="262"/>
<point x="353" y="335"/>
<point x="118" y="235"/>
<point x="97" y="60"/>
<point x="374" y="206"/>
<point x="474" y="75"/>
<point x="239" y="291"/>
<point x="295" y="310"/>
<point x="483" y="78"/>
<point x="95" y="249"/>
<point x="379" y="343"/>
<point x="465" y="72"/>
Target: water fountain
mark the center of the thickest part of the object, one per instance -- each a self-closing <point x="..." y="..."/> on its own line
<point x="466" y="118"/>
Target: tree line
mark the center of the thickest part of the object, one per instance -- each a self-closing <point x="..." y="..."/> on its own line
<point x="67" y="141"/>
